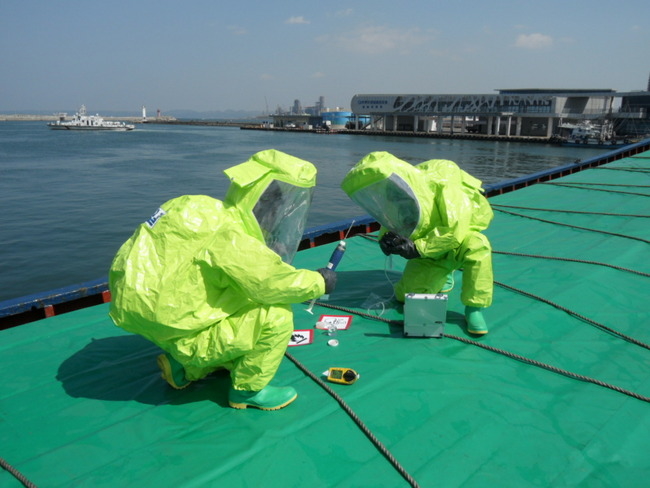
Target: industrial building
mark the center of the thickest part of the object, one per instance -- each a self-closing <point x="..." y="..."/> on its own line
<point x="515" y="112"/>
<point x="331" y="119"/>
<point x="316" y="116"/>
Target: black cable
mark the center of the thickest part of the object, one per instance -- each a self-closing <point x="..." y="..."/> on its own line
<point x="378" y="444"/>
<point x="17" y="474"/>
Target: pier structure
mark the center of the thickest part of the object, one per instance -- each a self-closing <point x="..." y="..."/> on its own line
<point x="510" y="113"/>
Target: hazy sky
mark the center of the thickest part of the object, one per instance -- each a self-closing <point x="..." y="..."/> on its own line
<point x="250" y="55"/>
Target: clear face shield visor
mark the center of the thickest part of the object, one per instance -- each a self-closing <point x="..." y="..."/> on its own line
<point x="392" y="203"/>
<point x="281" y="213"/>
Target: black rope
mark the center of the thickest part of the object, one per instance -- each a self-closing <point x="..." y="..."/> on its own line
<point x="573" y="226"/>
<point x="631" y="169"/>
<point x="586" y="183"/>
<point x="609" y="214"/>
<point x="573" y="260"/>
<point x="564" y="309"/>
<point x="503" y="352"/>
<point x="576" y="314"/>
<point x="577" y="185"/>
<point x="17" y="474"/>
<point x="548" y="367"/>
<point x="378" y="444"/>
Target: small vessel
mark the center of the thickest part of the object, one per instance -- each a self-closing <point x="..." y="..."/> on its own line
<point x="82" y="121"/>
<point x="586" y="134"/>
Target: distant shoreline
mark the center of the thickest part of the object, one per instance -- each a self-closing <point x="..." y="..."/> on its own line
<point x="25" y="117"/>
<point x="135" y="120"/>
<point x="249" y="125"/>
<point x="48" y="118"/>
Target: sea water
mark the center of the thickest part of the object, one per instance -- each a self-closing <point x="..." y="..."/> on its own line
<point x="69" y="199"/>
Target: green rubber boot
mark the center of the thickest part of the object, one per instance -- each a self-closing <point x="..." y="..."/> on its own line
<point x="449" y="284"/>
<point x="475" y="321"/>
<point x="172" y="372"/>
<point x="269" y="398"/>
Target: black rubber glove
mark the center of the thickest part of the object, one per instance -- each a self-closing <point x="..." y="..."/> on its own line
<point x="330" y="279"/>
<point x="391" y="243"/>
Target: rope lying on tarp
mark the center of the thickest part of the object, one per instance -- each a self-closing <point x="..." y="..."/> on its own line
<point x="548" y="367"/>
<point x="585" y="186"/>
<point x="586" y="183"/>
<point x="573" y="226"/>
<point x="378" y="444"/>
<point x="17" y="474"/>
<point x="614" y="332"/>
<point x="582" y="212"/>
<point x="630" y="169"/>
<point x="573" y="260"/>
<point x="503" y="352"/>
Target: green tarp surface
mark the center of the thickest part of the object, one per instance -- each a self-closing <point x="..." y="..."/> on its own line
<point x="82" y="403"/>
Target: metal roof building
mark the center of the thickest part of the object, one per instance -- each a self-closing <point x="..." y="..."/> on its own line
<point x="512" y="112"/>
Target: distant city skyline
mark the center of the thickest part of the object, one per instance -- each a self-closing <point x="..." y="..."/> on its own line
<point x="254" y="56"/>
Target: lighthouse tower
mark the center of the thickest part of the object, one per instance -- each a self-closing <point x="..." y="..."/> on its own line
<point x="144" y="114"/>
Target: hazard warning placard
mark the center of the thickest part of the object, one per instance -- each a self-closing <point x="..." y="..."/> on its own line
<point x="341" y="322"/>
<point x="301" y="337"/>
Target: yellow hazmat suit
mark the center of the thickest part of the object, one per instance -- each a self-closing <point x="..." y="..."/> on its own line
<point x="441" y="209"/>
<point x="205" y="280"/>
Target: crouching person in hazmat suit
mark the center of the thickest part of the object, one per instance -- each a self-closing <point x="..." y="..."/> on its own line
<point x="431" y="214"/>
<point x="211" y="284"/>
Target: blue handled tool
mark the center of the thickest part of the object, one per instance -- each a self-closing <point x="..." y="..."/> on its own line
<point x="336" y="256"/>
<point x="334" y="261"/>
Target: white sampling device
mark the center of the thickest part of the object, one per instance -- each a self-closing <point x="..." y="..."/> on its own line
<point x="425" y="314"/>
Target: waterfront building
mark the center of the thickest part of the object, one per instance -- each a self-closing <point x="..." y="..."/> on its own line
<point x="512" y="112"/>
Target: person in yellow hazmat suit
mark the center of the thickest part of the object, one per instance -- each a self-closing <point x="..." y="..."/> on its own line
<point x="431" y="214"/>
<point x="211" y="283"/>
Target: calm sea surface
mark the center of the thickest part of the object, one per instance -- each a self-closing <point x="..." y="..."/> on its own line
<point x="69" y="199"/>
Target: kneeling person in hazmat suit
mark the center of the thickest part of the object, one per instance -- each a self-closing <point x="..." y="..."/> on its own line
<point x="211" y="284"/>
<point x="431" y="214"/>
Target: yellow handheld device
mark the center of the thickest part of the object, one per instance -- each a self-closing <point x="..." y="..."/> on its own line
<point x="345" y="376"/>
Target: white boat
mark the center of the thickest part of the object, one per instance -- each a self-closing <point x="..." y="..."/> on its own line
<point x="586" y="134"/>
<point x="82" y="121"/>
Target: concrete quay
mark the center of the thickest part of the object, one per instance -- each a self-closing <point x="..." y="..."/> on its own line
<point x="250" y="126"/>
<point x="430" y="135"/>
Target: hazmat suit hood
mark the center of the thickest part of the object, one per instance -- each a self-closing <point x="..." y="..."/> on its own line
<point x="392" y="191"/>
<point x="435" y="203"/>
<point x="272" y="191"/>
